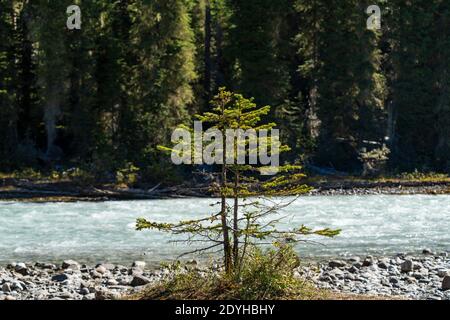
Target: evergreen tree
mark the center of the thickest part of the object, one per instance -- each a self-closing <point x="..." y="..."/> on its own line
<point x="347" y="89"/>
<point x="164" y="71"/>
<point x="419" y="84"/>
<point x="442" y="110"/>
<point x="200" y="12"/>
<point x="48" y="32"/>
<point x="82" y="116"/>
<point x="112" y="72"/>
<point x="8" y="112"/>
<point x="240" y="225"/>
<point x="255" y="54"/>
<point x="25" y="84"/>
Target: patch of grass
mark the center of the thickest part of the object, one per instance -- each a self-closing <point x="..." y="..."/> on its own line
<point x="424" y="177"/>
<point x="4" y="175"/>
<point x="415" y="177"/>
<point x="75" y="175"/>
<point x="208" y="285"/>
<point x="266" y="275"/>
<point x="27" y="173"/>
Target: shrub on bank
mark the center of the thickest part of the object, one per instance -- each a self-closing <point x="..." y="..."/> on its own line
<point x="265" y="275"/>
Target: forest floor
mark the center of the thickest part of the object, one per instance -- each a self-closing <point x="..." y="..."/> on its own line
<point x="47" y="189"/>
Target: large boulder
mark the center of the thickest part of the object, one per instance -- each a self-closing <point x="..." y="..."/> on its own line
<point x="21" y="268"/>
<point x="104" y="294"/>
<point x="101" y="269"/>
<point x="45" y="266"/>
<point x="60" y="277"/>
<point x="139" y="264"/>
<point x="383" y="263"/>
<point x="337" y="264"/>
<point x="443" y="272"/>
<point x="446" y="283"/>
<point x="6" y="288"/>
<point x="70" y="264"/>
<point x="135" y="271"/>
<point x="368" y="261"/>
<point x="139" y="281"/>
<point x="107" y="266"/>
<point x="407" y="266"/>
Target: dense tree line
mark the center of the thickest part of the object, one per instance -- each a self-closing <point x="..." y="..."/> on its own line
<point x="106" y="95"/>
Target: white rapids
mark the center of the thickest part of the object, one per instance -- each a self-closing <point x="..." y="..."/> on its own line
<point x="105" y="231"/>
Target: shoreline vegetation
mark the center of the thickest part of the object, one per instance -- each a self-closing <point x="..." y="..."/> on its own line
<point x="423" y="276"/>
<point x="56" y="189"/>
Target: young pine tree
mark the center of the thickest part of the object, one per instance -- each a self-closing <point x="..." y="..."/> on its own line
<point x="245" y="215"/>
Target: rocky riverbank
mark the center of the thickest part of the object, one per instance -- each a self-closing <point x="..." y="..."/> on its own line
<point x="73" y="281"/>
<point x="425" y="277"/>
<point x="411" y="277"/>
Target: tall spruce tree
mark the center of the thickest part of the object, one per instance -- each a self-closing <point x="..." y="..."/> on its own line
<point x="257" y="36"/>
<point x="164" y="71"/>
<point x="347" y="89"/>
<point x="8" y="112"/>
<point x="239" y="226"/>
<point x="419" y="84"/>
<point x="82" y="116"/>
<point x="25" y="84"/>
<point x="442" y="110"/>
<point x="48" y="32"/>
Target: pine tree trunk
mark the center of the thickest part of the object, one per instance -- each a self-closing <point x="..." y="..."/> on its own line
<point x="25" y="76"/>
<point x="51" y="113"/>
<point x="236" y="223"/>
<point x="226" y="237"/>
